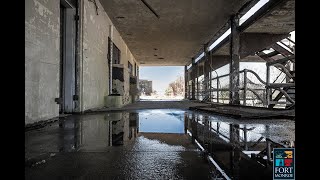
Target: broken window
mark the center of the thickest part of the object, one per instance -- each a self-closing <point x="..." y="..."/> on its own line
<point x="130" y="68"/>
<point x="115" y="52"/>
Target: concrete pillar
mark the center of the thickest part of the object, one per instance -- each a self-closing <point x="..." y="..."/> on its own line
<point x="193" y="86"/>
<point x="210" y="74"/>
<point x="197" y="81"/>
<point x="185" y="82"/>
<point x="235" y="59"/>
<point x="206" y="71"/>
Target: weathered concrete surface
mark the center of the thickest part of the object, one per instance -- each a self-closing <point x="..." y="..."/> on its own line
<point x="183" y="26"/>
<point x="42" y="46"/>
<point x="280" y="20"/>
<point x="251" y="43"/>
<point x="121" y="82"/>
<point x="95" y="49"/>
<point x="42" y="31"/>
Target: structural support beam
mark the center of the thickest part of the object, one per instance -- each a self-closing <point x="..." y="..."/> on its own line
<point x="206" y="70"/>
<point x="193" y="77"/>
<point x="185" y="82"/>
<point x="235" y="61"/>
<point x="253" y="42"/>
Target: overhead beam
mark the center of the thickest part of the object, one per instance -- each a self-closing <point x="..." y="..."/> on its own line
<point x="218" y="61"/>
<point x="263" y="11"/>
<point x="252" y="42"/>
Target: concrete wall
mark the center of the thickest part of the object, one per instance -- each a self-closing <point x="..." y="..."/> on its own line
<point x="95" y="49"/>
<point x="42" y="47"/>
<point x="42" y="19"/>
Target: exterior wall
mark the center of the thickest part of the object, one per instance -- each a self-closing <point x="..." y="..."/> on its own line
<point x="42" y="47"/>
<point x="42" y="57"/>
<point x="95" y="50"/>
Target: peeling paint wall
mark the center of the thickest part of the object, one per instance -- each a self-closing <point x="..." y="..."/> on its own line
<point x="95" y="49"/>
<point x="120" y="82"/>
<point x="42" y="30"/>
<point x="42" y="59"/>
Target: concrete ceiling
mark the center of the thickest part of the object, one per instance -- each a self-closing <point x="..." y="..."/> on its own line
<point x="182" y="29"/>
<point x="279" y="21"/>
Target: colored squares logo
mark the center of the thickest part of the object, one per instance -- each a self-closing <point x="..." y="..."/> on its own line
<point x="288" y="162"/>
<point x="279" y="162"/>
<point x="283" y="163"/>
<point x="288" y="154"/>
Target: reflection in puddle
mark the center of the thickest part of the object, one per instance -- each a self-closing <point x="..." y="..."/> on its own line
<point x="160" y="121"/>
<point x="243" y="149"/>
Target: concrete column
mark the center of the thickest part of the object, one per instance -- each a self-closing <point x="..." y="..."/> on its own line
<point x="193" y="80"/>
<point x="210" y="74"/>
<point x="206" y="70"/>
<point x="197" y="82"/>
<point x="185" y="82"/>
<point x="137" y="71"/>
<point x="234" y="63"/>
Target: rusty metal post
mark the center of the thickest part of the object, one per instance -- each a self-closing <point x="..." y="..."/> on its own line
<point x="235" y="60"/>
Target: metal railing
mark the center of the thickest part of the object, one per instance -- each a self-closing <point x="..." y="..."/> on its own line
<point x="262" y="97"/>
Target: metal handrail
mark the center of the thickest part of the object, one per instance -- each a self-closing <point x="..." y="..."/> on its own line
<point x="264" y="100"/>
<point x="242" y="71"/>
<point x="286" y="95"/>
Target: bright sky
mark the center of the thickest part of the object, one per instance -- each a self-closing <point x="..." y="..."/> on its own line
<point x="161" y="76"/>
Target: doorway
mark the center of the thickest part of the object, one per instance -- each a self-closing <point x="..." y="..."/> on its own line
<point x="67" y="56"/>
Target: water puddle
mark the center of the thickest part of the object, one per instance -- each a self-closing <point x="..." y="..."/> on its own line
<point x="242" y="149"/>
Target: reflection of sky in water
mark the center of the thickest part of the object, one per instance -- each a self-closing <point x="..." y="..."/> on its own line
<point x="161" y="121"/>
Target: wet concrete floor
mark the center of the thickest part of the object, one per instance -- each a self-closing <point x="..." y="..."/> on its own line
<point x="152" y="144"/>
